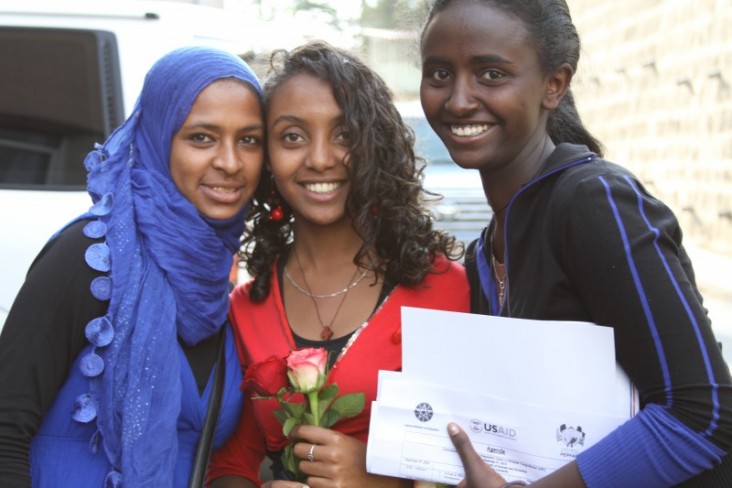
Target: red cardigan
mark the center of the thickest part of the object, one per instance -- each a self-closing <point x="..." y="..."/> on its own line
<point x="262" y="330"/>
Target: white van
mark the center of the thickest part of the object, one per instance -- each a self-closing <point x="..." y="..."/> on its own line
<point x="71" y="73"/>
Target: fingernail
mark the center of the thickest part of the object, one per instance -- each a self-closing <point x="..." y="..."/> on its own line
<point x="452" y="428"/>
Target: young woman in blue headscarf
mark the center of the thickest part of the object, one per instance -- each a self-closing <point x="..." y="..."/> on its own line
<point x="107" y="356"/>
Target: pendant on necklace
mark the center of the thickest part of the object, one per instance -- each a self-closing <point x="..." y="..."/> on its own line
<point x="327" y="333"/>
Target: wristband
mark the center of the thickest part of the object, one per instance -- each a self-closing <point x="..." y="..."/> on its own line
<point x="509" y="484"/>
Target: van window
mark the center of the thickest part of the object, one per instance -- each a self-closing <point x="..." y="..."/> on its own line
<point x="60" y="92"/>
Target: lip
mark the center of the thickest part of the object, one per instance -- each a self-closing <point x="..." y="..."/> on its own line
<point x="322" y="191"/>
<point x="467" y="133"/>
<point x="225" y="193"/>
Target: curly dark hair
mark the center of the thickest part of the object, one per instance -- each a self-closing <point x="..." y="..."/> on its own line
<point x="386" y="201"/>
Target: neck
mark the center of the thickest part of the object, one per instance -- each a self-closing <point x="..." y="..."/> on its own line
<point x="327" y="249"/>
<point x="502" y="184"/>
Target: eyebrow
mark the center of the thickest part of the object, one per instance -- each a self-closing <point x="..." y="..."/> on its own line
<point x="480" y="59"/>
<point x="299" y="120"/>
<point x="209" y="126"/>
<point x="287" y="118"/>
<point x="490" y="58"/>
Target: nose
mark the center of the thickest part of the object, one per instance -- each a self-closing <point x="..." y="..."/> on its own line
<point x="322" y="154"/>
<point x="227" y="158"/>
<point x="461" y="100"/>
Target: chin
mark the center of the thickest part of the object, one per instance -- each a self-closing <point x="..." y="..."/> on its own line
<point x="218" y="214"/>
<point x="468" y="162"/>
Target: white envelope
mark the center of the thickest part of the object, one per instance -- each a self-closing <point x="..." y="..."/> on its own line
<point x="408" y="436"/>
<point x="530" y="394"/>
<point x="558" y="364"/>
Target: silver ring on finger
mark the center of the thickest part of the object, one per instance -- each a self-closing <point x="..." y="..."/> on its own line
<point x="311" y="453"/>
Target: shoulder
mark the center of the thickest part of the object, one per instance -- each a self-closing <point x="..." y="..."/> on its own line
<point x="573" y="166"/>
<point x="580" y="182"/>
<point x="240" y="293"/>
<point x="445" y="270"/>
<point x="244" y="310"/>
<point x="444" y="287"/>
<point x="69" y="241"/>
<point x="64" y="254"/>
<point x="241" y="303"/>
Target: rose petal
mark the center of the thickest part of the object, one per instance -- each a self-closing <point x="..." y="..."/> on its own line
<point x="305" y="378"/>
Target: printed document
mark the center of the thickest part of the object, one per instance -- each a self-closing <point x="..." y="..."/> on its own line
<point x="530" y="394"/>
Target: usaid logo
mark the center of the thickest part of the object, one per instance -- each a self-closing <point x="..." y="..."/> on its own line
<point x="481" y="427"/>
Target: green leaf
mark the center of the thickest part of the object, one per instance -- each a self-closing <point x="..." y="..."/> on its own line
<point x="327" y="394"/>
<point x="294" y="409"/>
<point x="289" y="424"/>
<point x="330" y="418"/>
<point x="291" y="462"/>
<point x="281" y="416"/>
<point x="349" y="405"/>
<point x="325" y="399"/>
<point x="308" y="419"/>
<point x="280" y="394"/>
<point x="288" y="459"/>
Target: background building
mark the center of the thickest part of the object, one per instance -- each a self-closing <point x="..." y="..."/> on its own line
<point x="655" y="86"/>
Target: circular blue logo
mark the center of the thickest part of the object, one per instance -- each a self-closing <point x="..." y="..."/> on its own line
<point x="423" y="412"/>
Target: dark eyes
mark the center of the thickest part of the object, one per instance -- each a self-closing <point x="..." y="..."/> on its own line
<point x="294" y="137"/>
<point x="440" y="75"/>
<point x="491" y="75"/>
<point x="344" y="135"/>
<point x="251" y="140"/>
<point x="291" y="137"/>
<point x="201" y="138"/>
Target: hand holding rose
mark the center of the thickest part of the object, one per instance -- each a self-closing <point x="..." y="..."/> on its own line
<point x="303" y="372"/>
<point x="338" y="460"/>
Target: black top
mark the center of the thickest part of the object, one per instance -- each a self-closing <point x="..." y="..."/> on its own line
<point x="37" y="350"/>
<point x="585" y="241"/>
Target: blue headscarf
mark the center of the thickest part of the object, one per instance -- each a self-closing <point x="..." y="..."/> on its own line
<point x="168" y="272"/>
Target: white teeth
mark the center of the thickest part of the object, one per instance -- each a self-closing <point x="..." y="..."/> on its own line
<point x="223" y="189"/>
<point x="468" y="130"/>
<point x="321" y="187"/>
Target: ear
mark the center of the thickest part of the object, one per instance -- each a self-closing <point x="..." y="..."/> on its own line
<point x="557" y="85"/>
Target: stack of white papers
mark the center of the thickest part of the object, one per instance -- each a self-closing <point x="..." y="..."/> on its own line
<point x="530" y="394"/>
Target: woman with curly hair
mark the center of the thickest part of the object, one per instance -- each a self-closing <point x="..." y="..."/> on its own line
<point x="340" y="241"/>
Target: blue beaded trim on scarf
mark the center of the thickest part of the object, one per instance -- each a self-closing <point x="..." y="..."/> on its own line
<point x="99" y="331"/>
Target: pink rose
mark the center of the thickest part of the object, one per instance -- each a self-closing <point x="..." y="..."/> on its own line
<point x="266" y="377"/>
<point x="306" y="369"/>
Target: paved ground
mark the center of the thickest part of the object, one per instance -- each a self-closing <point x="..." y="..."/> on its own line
<point x="714" y="278"/>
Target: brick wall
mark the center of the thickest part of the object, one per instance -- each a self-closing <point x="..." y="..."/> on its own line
<point x="655" y="86"/>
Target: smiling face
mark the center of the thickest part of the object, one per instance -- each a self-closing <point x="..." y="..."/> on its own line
<point x="217" y="155"/>
<point x="482" y="88"/>
<point x="308" y="143"/>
